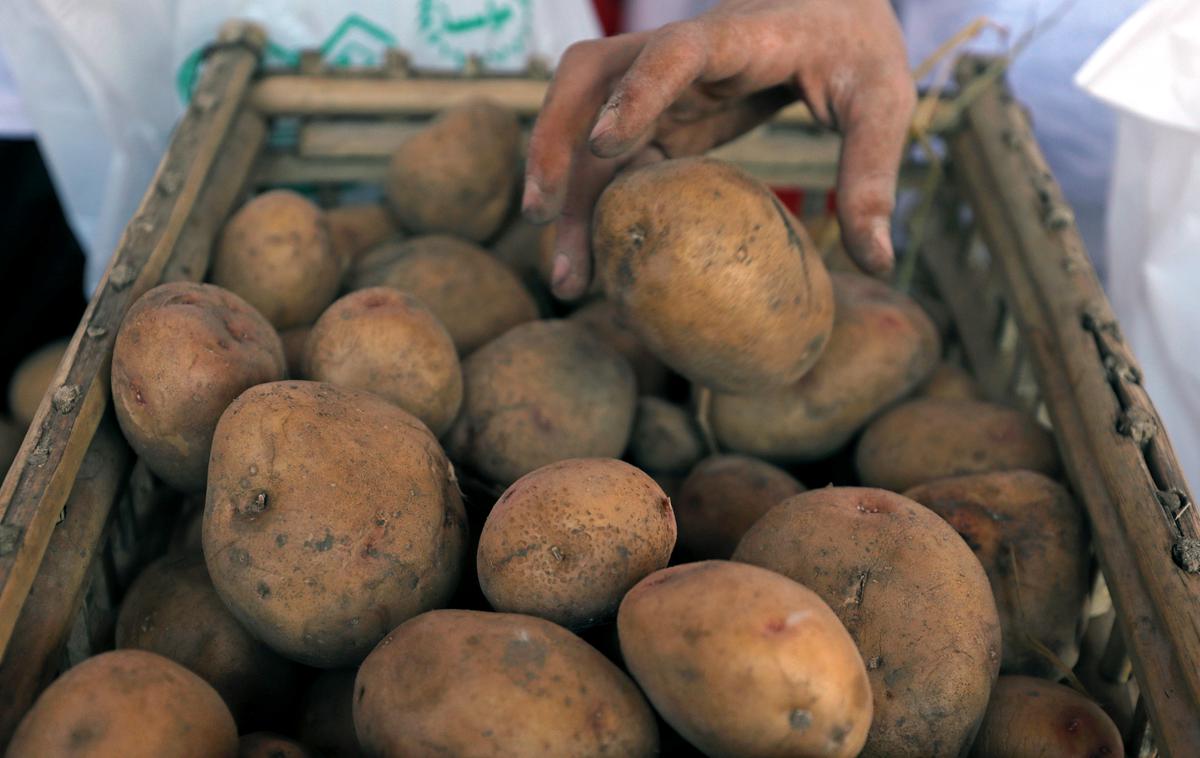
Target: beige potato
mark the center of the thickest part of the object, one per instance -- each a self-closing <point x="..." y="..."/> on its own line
<point x="1030" y="536"/>
<point x="882" y="346"/>
<point x="927" y="438"/>
<point x="267" y="745"/>
<point x="603" y="320"/>
<point x="458" y="174"/>
<point x="913" y="596"/>
<point x="326" y="722"/>
<point x="744" y="662"/>
<point x="1031" y="718"/>
<point x="467" y="683"/>
<point x="387" y="342"/>
<point x="183" y="353"/>
<point x="295" y="342"/>
<point x="722" y="497"/>
<point x="545" y="391"/>
<point x="567" y="541"/>
<point x="950" y="381"/>
<point x="127" y="703"/>
<point x="713" y="274"/>
<point x="32" y="378"/>
<point x="331" y="516"/>
<point x="665" y="437"/>
<point x="355" y="229"/>
<point x="276" y="253"/>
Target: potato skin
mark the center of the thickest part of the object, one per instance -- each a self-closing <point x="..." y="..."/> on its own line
<point x="881" y="347"/>
<point x="722" y="497"/>
<point x="603" y="320"/>
<point x="127" y="703"/>
<point x="387" y="342"/>
<point x="712" y="274"/>
<point x="276" y="253"/>
<point x="567" y="541"/>
<point x="665" y="438"/>
<point x="778" y="677"/>
<point x="183" y="353"/>
<point x="1030" y="718"/>
<point x="476" y="297"/>
<point x="331" y="515"/>
<point x="326" y="718"/>
<point x="543" y="392"/>
<point x="32" y="378"/>
<point x="1022" y="526"/>
<point x="457" y="175"/>
<point x="355" y="229"/>
<point x="949" y="381"/>
<point x="927" y="438"/>
<point x="267" y="745"/>
<point x="909" y="590"/>
<point x="468" y="683"/>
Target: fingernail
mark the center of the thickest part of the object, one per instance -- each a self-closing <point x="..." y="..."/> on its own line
<point x="531" y="198"/>
<point x="883" y="238"/>
<point x="560" y="271"/>
<point x="608" y="119"/>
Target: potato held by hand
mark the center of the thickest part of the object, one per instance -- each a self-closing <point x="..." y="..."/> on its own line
<point x="713" y="275"/>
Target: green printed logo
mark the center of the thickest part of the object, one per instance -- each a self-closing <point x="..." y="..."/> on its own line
<point x="498" y="31"/>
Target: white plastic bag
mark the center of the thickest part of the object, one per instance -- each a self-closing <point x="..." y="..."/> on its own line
<point x="103" y="82"/>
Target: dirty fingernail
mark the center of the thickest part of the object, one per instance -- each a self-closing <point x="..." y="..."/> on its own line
<point x="607" y="120"/>
<point x="560" y="271"/>
<point x="531" y="199"/>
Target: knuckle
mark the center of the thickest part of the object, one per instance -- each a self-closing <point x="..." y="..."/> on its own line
<point x="579" y="53"/>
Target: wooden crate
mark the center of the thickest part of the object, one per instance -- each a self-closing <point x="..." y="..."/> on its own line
<point x="78" y="516"/>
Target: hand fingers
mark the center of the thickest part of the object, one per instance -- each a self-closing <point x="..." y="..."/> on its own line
<point x="571" y="268"/>
<point x="694" y="130"/>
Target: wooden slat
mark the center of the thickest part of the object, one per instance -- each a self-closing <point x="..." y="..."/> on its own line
<point x="37" y="485"/>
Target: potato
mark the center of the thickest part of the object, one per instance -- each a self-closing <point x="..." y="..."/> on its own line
<point x="722" y="497"/>
<point x="267" y="745"/>
<point x="355" y="229"/>
<point x="368" y="269"/>
<point x="458" y="175"/>
<point x="602" y="319"/>
<point x="172" y="609"/>
<point x="665" y="438"/>
<point x="913" y="596"/>
<point x="949" y="381"/>
<point x="545" y="391"/>
<point x="882" y="346"/>
<point x="468" y="683"/>
<point x="331" y="516"/>
<point x="745" y="662"/>
<point x="183" y="353"/>
<point x="387" y="342"/>
<point x="127" y="703"/>
<point x="1029" y="717"/>
<point x="32" y="378"/>
<point x="1029" y="534"/>
<point x="474" y="295"/>
<point x="276" y="253"/>
<point x="567" y="541"/>
<point x="295" y="341"/>
<point x="712" y="274"/>
<point x="927" y="438"/>
<point x="326" y="722"/>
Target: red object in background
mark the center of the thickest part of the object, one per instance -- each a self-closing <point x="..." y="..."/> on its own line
<point x="610" y="12"/>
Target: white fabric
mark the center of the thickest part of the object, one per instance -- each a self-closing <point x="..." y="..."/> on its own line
<point x="13" y="121"/>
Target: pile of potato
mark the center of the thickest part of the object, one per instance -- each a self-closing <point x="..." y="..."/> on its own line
<point x="446" y="515"/>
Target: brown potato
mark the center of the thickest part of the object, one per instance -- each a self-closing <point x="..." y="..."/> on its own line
<point x="950" y="381"/>
<point x="127" y="703"/>
<point x="370" y="267"/>
<point x="468" y="683"/>
<point x="183" y="353"/>
<point x="355" y="229"/>
<point x="172" y="609"/>
<point x="745" y="662"/>
<point x="276" y="253"/>
<point x="665" y="438"/>
<point x="387" y="342"/>
<point x="331" y="515"/>
<point x="543" y="392"/>
<point x="458" y="175"/>
<point x="32" y="378"/>
<point x="267" y="745"/>
<point x="713" y="274"/>
<point x="1030" y="536"/>
<point x="914" y="598"/>
<point x="1030" y="718"/>
<point x="295" y="341"/>
<point x="567" y="541"/>
<point x="722" y="497"/>
<point x="603" y="320"/>
<point x="882" y="346"/>
<point x="474" y="295"/>
<point x="326" y="720"/>
<point x="927" y="438"/>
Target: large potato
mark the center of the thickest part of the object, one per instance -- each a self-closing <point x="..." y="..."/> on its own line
<point x="1029" y="534"/>
<point x="713" y="274"/>
<point x="913" y="596"/>
<point x="276" y="253"/>
<point x="326" y="718"/>
<point x="32" y="378"/>
<point x="949" y="381"/>
<point x="468" y="683"/>
<point x="457" y="175"/>
<point x="355" y="229"/>
<point x="745" y="662"/>
<point x="929" y="438"/>
<point x="665" y="437"/>
<point x="387" y="342"/>
<point x="722" y="497"/>
<point x="131" y="704"/>
<point x="543" y="392"/>
<point x="183" y="353"/>
<point x="474" y="295"/>
<point x="172" y="609"/>
<point x="1031" y="718"/>
<point x="882" y="346"/>
<point x="331" y="516"/>
<point x="567" y="541"/>
<point x="603" y="320"/>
